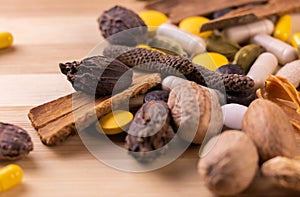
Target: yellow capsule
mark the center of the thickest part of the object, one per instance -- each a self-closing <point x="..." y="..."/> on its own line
<point x="115" y="122"/>
<point x="193" y="25"/>
<point x="6" y="40"/>
<point x="296" y="40"/>
<point x="10" y="176"/>
<point x="153" y="19"/>
<point x="286" y="26"/>
<point x="211" y="61"/>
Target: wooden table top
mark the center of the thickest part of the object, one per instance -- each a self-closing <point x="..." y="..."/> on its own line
<point x="46" y="33"/>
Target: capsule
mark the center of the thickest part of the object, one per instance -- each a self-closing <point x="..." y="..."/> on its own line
<point x="291" y="72"/>
<point x="233" y="115"/>
<point x="295" y="41"/>
<point x="6" y="40"/>
<point x="193" y="24"/>
<point x="286" y="27"/>
<point x="10" y="176"/>
<point x="153" y="19"/>
<point x="210" y="60"/>
<point x="284" y="52"/>
<point x="265" y="65"/>
<point x="192" y="44"/>
<point x="242" y="33"/>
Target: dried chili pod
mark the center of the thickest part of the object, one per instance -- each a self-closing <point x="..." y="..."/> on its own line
<point x="149" y="132"/>
<point x="98" y="75"/>
<point x="15" y="142"/>
<point x="122" y="26"/>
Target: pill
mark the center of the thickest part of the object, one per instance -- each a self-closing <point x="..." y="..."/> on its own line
<point x="6" y="40"/>
<point x="10" y="176"/>
<point x="283" y="52"/>
<point x="242" y="33"/>
<point x="193" y="24"/>
<point x="192" y="44"/>
<point x="287" y="26"/>
<point x="265" y="65"/>
<point x="210" y="60"/>
<point x="115" y="122"/>
<point x="231" y="69"/>
<point x="153" y="19"/>
<point x="291" y="72"/>
<point x="233" y="115"/>
<point x="295" y="40"/>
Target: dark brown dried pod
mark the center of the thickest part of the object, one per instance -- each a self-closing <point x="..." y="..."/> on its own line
<point x="98" y="75"/>
<point x="149" y="132"/>
<point x="122" y="26"/>
<point x="15" y="142"/>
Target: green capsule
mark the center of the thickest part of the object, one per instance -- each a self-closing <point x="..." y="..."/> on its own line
<point x="246" y="56"/>
<point x="167" y="45"/>
<point x="222" y="45"/>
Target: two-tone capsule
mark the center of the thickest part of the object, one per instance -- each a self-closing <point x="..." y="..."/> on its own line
<point x="10" y="176"/>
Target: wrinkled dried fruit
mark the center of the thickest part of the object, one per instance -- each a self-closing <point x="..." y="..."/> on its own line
<point x="122" y="26"/>
<point x="149" y="132"/>
<point x="15" y="142"/>
<point x="98" y="75"/>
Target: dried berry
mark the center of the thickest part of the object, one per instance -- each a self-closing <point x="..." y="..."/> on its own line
<point x="150" y="131"/>
<point x="122" y="26"/>
<point x="15" y="143"/>
<point x="98" y="75"/>
<point x="157" y="95"/>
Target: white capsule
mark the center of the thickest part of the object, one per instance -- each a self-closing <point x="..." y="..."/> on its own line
<point x="265" y="65"/>
<point x="233" y="115"/>
<point x="192" y="44"/>
<point x="284" y="52"/>
<point x="242" y="33"/>
<point x="291" y="72"/>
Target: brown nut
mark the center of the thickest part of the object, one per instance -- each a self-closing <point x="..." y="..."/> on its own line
<point x="268" y="126"/>
<point x="284" y="172"/>
<point x="228" y="163"/>
<point x="195" y="111"/>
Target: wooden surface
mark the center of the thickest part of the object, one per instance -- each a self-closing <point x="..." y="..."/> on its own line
<point x="47" y="32"/>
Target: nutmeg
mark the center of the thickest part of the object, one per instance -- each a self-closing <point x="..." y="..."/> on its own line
<point x="269" y="127"/>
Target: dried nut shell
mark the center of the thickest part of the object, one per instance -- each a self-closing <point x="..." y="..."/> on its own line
<point x="270" y="129"/>
<point x="228" y="163"/>
<point x="15" y="142"/>
<point x="284" y="172"/>
<point x="196" y="112"/>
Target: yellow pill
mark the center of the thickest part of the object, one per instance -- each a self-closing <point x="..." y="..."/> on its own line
<point x="153" y="19"/>
<point x="10" y="176"/>
<point x="6" y="40"/>
<point x="193" y="25"/>
<point x="296" y="40"/>
<point x="115" y="122"/>
<point x="211" y="61"/>
<point x="287" y="26"/>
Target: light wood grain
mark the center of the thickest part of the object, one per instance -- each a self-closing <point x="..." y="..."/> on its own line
<point x="46" y="33"/>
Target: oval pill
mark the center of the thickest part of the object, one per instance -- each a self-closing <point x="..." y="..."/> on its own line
<point x="287" y="26"/>
<point x="10" y="176"/>
<point x="153" y="19"/>
<point x="115" y="122"/>
<point x="291" y="72"/>
<point x="242" y="33"/>
<point x="193" y="24"/>
<point x="283" y="52"/>
<point x="233" y="115"/>
<point x="192" y="44"/>
<point x="265" y="65"/>
<point x="6" y="40"/>
<point x="210" y="60"/>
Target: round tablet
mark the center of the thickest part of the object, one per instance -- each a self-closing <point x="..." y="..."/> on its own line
<point x="153" y="19"/>
<point x="115" y="122"/>
<point x="193" y="25"/>
<point x="211" y="61"/>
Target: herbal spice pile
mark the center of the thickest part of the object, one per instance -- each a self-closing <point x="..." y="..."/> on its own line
<point x="236" y="87"/>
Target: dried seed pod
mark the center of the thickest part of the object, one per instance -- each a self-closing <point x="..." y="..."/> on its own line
<point x="149" y="132"/>
<point x="15" y="142"/>
<point x="98" y="75"/>
<point x="284" y="172"/>
<point x="222" y="45"/>
<point x="269" y="128"/>
<point x="122" y="26"/>
<point x="153" y="61"/>
<point x="228" y="163"/>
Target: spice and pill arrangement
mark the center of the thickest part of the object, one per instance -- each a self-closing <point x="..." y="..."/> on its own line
<point x="231" y="90"/>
